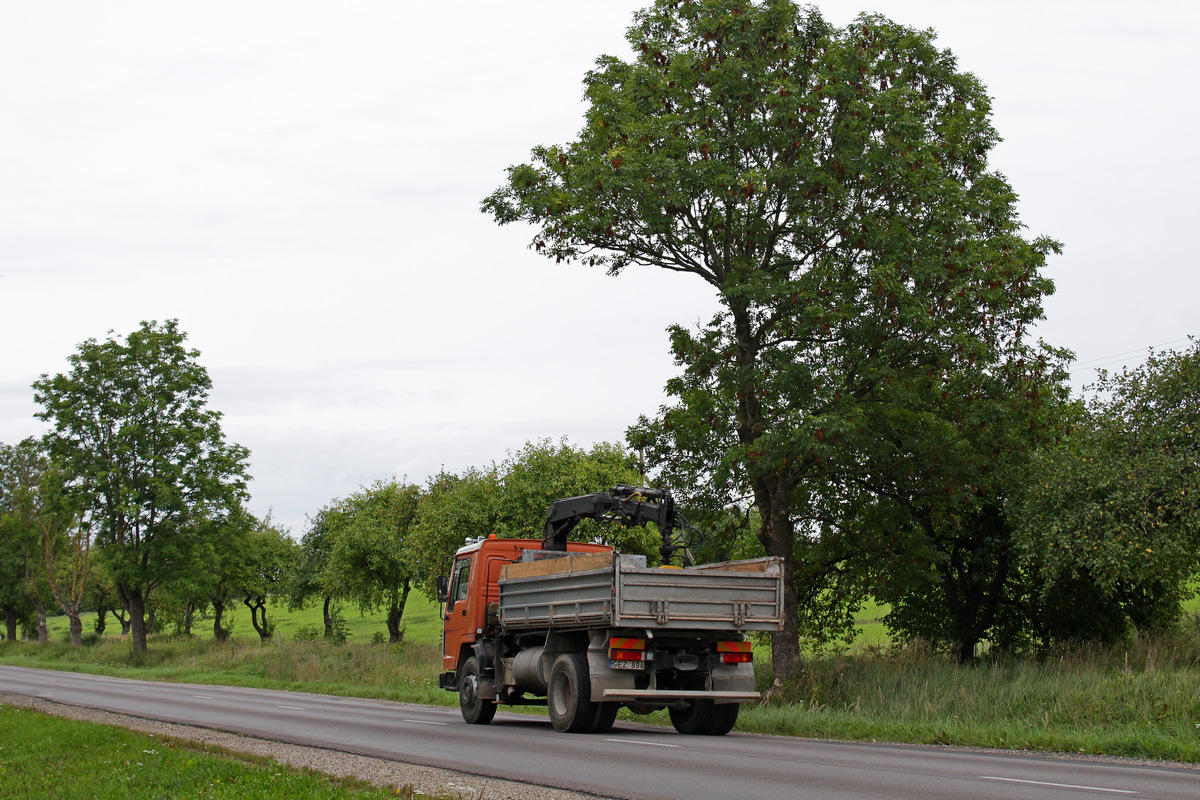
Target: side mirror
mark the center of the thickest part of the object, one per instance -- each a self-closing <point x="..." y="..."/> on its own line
<point x="443" y="588"/>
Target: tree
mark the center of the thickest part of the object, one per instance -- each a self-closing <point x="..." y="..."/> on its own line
<point x="1111" y="519"/>
<point x="831" y="185"/>
<point x="511" y="500"/>
<point x="144" y="454"/>
<point x="268" y="558"/>
<point x="22" y="582"/>
<point x="370" y="562"/>
<point x="304" y="583"/>
<point x="45" y="522"/>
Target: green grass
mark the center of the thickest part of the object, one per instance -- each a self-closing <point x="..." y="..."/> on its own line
<point x="1140" y="701"/>
<point x="421" y="622"/>
<point x="45" y="756"/>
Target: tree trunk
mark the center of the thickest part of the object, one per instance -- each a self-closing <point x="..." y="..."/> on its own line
<point x="258" y="617"/>
<point x="10" y="623"/>
<point x="76" y="627"/>
<point x="123" y="612"/>
<point x="101" y="620"/>
<point x="771" y="485"/>
<point x="777" y="539"/>
<point x="328" y="616"/>
<point x="395" y="633"/>
<point x="39" y="607"/>
<point x="137" y="617"/>
<point x="219" y="633"/>
<point x="188" y="613"/>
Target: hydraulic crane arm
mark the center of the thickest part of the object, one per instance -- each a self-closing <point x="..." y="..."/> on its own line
<point x="627" y="505"/>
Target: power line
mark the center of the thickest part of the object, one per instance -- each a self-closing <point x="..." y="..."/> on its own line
<point x="1119" y="358"/>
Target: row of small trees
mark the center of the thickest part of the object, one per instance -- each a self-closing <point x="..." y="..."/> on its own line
<point x="133" y="504"/>
<point x="374" y="546"/>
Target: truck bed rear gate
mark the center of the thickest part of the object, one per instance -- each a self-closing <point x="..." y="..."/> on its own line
<point x="623" y="593"/>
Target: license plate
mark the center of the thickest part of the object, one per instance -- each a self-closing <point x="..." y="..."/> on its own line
<point x="627" y="664"/>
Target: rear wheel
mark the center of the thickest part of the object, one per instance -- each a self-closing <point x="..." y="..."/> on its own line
<point x="569" y="699"/>
<point x="693" y="719"/>
<point x="605" y="716"/>
<point x="724" y="718"/>
<point x="705" y="718"/>
<point x="475" y="709"/>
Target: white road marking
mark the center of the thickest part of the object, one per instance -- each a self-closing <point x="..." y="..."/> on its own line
<point x="1058" y="785"/>
<point x="425" y="722"/>
<point x="293" y="708"/>
<point x="203" y="697"/>
<point x="635" y="741"/>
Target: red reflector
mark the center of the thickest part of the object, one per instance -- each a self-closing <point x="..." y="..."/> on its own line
<point x="626" y="655"/>
<point x="622" y="643"/>
<point x="733" y="647"/>
<point x="736" y="658"/>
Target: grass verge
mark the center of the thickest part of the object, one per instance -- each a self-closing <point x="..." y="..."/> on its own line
<point x="44" y="756"/>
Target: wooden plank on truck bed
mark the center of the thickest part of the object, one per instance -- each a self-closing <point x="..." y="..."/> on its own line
<point x="768" y="565"/>
<point x="575" y="562"/>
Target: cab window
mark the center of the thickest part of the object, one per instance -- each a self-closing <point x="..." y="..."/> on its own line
<point x="458" y="587"/>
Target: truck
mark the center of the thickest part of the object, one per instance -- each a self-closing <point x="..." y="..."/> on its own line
<point x="585" y="630"/>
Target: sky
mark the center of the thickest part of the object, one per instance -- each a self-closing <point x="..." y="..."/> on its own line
<point x="298" y="183"/>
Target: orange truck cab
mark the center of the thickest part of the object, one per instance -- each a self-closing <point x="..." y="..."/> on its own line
<point x="473" y="593"/>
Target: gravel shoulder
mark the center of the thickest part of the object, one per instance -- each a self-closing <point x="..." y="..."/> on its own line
<point x="377" y="771"/>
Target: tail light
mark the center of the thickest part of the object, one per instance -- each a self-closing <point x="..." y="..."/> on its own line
<point x="735" y="652"/>
<point x="622" y="648"/>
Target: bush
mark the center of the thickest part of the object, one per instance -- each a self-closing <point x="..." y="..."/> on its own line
<point x="308" y="633"/>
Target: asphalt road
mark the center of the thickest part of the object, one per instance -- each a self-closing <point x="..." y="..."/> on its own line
<point x="631" y="761"/>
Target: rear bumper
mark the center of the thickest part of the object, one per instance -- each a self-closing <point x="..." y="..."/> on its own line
<point x="667" y="695"/>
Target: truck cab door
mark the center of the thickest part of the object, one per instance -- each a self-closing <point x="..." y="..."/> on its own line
<point x="457" y="628"/>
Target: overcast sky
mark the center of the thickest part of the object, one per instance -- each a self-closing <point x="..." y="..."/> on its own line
<point x="299" y="184"/>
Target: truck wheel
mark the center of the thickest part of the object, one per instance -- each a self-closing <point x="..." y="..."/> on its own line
<point x="606" y="715"/>
<point x="724" y="718"/>
<point x="475" y="709"/>
<point x="694" y="719"/>
<point x="705" y="718"/>
<point x="569" y="697"/>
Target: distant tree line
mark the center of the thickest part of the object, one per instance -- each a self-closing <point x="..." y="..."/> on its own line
<point x="132" y="506"/>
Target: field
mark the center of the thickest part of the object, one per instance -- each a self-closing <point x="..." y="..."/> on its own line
<point x="1140" y="700"/>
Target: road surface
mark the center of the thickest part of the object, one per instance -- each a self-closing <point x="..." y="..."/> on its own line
<point x="632" y="761"/>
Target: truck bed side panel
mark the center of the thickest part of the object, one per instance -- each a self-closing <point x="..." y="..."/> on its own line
<point x="744" y="596"/>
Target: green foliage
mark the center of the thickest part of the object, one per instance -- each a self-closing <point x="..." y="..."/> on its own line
<point x="511" y="499"/>
<point x="832" y="186"/>
<point x="19" y="467"/>
<point x="1111" y="518"/>
<point x="369" y="558"/>
<point x="144" y="454"/>
<point x="268" y="558"/>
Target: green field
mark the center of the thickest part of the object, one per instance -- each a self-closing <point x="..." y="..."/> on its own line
<point x="421" y="623"/>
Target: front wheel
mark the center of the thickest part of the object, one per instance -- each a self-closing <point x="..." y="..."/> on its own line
<point x="475" y="709"/>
